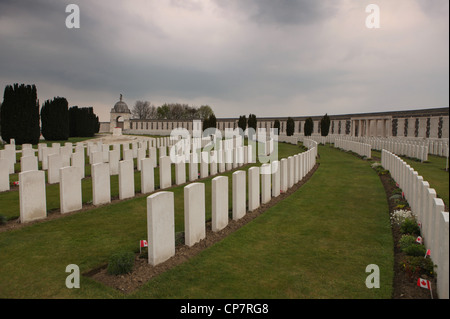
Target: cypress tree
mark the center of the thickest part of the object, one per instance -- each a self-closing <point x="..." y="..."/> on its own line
<point x="277" y="125"/>
<point x="290" y="126"/>
<point x="20" y="114"/>
<point x="83" y="122"/>
<point x="55" y="119"/>
<point x="242" y="122"/>
<point x="325" y="125"/>
<point x="252" y="121"/>
<point x="309" y="126"/>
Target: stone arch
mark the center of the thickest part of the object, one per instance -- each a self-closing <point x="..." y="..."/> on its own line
<point x="120" y="116"/>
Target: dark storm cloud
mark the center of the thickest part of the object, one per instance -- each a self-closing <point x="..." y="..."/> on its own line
<point x="282" y="12"/>
<point x="240" y="56"/>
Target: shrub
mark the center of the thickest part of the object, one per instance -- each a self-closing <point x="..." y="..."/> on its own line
<point x="400" y="215"/>
<point x="3" y="220"/>
<point x="409" y="226"/>
<point x="416" y="250"/>
<point x="121" y="263"/>
<point x="418" y="266"/>
<point x="406" y="241"/>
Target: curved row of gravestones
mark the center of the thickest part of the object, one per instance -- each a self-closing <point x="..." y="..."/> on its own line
<point x="429" y="212"/>
<point x="361" y="149"/>
<point x="32" y="183"/>
<point x="411" y="147"/>
<point x="263" y="182"/>
<point x="57" y="156"/>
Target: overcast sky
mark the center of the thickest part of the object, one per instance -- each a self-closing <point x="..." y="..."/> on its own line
<point x="266" y="57"/>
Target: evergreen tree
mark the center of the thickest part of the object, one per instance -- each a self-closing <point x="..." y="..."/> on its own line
<point x="242" y="122"/>
<point x="290" y="126"/>
<point x="309" y="126"/>
<point x="55" y="119"/>
<point x="210" y="121"/>
<point x="20" y="114"/>
<point x="83" y="122"/>
<point x="277" y="126"/>
<point x="252" y="121"/>
<point x="325" y="125"/>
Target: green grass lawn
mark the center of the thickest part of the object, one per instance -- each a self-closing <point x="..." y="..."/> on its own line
<point x="315" y="244"/>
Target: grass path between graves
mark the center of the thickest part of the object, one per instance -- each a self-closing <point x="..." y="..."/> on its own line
<point x="316" y="243"/>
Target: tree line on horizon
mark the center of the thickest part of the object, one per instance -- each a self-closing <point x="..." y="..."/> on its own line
<point x="21" y="118"/>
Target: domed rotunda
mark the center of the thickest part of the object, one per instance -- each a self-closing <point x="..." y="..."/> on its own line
<point x="120" y="116"/>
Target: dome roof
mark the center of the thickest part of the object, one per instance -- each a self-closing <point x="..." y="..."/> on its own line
<point x="120" y="107"/>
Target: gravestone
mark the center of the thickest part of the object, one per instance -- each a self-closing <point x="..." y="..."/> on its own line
<point x="79" y="162"/>
<point x="160" y="227"/>
<point x="126" y="179"/>
<point x="114" y="159"/>
<point x="239" y="194"/>
<point x="253" y="188"/>
<point x="147" y="176"/>
<point x="32" y="199"/>
<point x="70" y="189"/>
<point x="4" y="175"/>
<point x="28" y="163"/>
<point x="101" y="184"/>
<point x="54" y="164"/>
<point x="180" y="171"/>
<point x="193" y="168"/>
<point x="219" y="203"/>
<point x="276" y="181"/>
<point x="283" y="175"/>
<point x="194" y="213"/>
<point x="165" y="172"/>
<point x="265" y="183"/>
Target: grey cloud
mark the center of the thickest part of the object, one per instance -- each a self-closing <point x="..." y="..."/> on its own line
<point x="282" y="12"/>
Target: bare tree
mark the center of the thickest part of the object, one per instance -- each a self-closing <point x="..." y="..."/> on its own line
<point x="143" y="110"/>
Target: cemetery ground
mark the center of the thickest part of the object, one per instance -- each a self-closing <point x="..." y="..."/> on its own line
<point x="315" y="243"/>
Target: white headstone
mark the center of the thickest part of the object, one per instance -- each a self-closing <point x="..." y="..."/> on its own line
<point x="101" y="184"/>
<point x="79" y="162"/>
<point x="276" y="181"/>
<point x="193" y="168"/>
<point x="28" y="163"/>
<point x="283" y="175"/>
<point x="54" y="164"/>
<point x="253" y="188"/>
<point x="204" y="164"/>
<point x="266" y="193"/>
<point x="70" y="189"/>
<point x="165" y="172"/>
<point x="32" y="199"/>
<point x="160" y="227"/>
<point x="194" y="213"/>
<point x="114" y="159"/>
<point x="126" y="179"/>
<point x="4" y="175"/>
<point x="239" y="194"/>
<point x="180" y="171"/>
<point x="219" y="203"/>
<point x="147" y="176"/>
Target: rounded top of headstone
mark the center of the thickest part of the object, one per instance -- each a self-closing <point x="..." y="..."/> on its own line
<point x="120" y="107"/>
